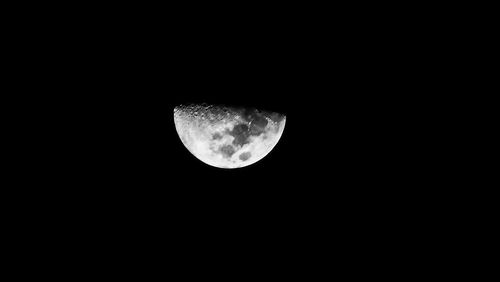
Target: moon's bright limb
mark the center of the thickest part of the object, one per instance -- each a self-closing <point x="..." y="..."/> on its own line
<point x="228" y="138"/>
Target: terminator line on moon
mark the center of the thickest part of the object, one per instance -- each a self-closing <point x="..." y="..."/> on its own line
<point x="227" y="137"/>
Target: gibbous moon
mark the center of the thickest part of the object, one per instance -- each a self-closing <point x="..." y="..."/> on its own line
<point x="226" y="137"/>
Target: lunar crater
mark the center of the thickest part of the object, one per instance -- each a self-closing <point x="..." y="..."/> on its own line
<point x="245" y="156"/>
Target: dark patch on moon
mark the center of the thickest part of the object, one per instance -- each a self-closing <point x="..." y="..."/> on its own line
<point x="250" y="115"/>
<point x="254" y="124"/>
<point x="256" y="116"/>
<point x="246" y="114"/>
<point x="240" y="133"/>
<point x="258" y="125"/>
<point x="227" y="150"/>
<point x="276" y="117"/>
<point x="245" y="156"/>
<point x="260" y="121"/>
<point x="257" y="121"/>
<point x="216" y="136"/>
<point x="255" y="130"/>
<point x="240" y="128"/>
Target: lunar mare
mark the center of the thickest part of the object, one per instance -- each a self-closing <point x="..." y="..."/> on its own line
<point x="226" y="137"/>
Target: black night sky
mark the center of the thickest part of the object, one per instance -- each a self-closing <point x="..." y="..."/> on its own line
<point x="332" y="148"/>
<point x="338" y="165"/>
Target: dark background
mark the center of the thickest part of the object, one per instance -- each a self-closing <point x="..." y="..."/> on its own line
<point x="331" y="165"/>
<point x="339" y="170"/>
<point x="334" y="89"/>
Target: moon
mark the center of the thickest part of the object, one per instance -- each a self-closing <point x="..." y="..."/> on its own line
<point x="228" y="137"/>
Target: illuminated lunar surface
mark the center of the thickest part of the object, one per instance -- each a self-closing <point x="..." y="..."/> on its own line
<point x="226" y="137"/>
